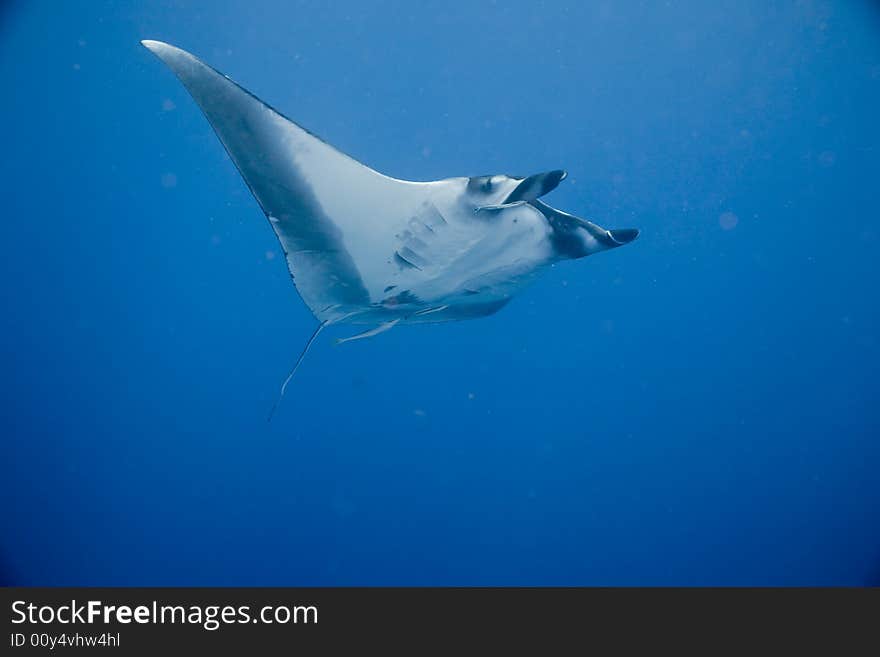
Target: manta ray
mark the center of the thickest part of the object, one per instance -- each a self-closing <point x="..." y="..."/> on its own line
<point x="365" y="248"/>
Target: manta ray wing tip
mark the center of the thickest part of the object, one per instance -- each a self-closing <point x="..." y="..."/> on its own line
<point x="159" y="48"/>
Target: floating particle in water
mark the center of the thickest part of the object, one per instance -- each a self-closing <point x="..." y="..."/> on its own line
<point x="168" y="105"/>
<point x="827" y="159"/>
<point x="270" y="255"/>
<point x="76" y="67"/>
<point x="471" y="395"/>
<point x="215" y="240"/>
<point x="169" y="180"/>
<point x="426" y="152"/>
<point x="419" y="412"/>
<point x="728" y="221"/>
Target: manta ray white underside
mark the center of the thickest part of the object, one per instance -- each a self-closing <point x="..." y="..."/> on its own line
<point x="366" y="248"/>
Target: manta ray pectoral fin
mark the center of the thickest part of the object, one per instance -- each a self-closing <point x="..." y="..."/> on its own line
<point x="387" y="326"/>
<point x="295" y="177"/>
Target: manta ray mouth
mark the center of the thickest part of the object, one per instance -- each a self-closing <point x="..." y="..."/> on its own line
<point x="536" y="186"/>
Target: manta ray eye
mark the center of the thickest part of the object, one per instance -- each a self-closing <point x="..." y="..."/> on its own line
<point x="487" y="186"/>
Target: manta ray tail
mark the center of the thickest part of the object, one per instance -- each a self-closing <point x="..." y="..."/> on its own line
<point x="294" y="369"/>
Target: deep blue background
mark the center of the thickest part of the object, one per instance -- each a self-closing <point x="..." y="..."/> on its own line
<point x="700" y="407"/>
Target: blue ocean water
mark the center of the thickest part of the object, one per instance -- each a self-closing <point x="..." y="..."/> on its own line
<point x="699" y="407"/>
